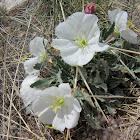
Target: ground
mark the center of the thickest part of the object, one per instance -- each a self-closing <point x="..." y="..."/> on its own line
<point x="39" y="18"/>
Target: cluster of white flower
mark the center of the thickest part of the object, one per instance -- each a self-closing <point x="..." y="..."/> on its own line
<point x="53" y="105"/>
<point x="78" y="41"/>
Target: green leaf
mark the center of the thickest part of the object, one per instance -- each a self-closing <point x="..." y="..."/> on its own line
<point x="59" y="62"/>
<point x="80" y="96"/>
<point x="52" y="70"/>
<point x="137" y="70"/>
<point x="64" y="67"/>
<point x="109" y="32"/>
<point x="114" y="81"/>
<point x="111" y="110"/>
<point x="43" y="83"/>
<point x="99" y="83"/>
<point x="89" y="115"/>
<point x="58" y="75"/>
<point x="39" y="66"/>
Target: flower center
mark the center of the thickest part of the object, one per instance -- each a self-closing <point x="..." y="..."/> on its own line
<point x="56" y="103"/>
<point x="116" y="32"/>
<point x="43" y="56"/>
<point x="82" y="42"/>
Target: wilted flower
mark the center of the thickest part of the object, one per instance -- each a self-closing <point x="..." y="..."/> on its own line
<point x="78" y="38"/>
<point x="120" y="18"/>
<point x="56" y="106"/>
<point x="27" y="93"/>
<point x="37" y="48"/>
<point x="91" y="8"/>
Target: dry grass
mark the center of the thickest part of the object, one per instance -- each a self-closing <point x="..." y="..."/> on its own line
<point x="16" y="30"/>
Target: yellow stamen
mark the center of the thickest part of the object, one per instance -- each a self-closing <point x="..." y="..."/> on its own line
<point x="56" y="103"/>
<point x="82" y="42"/>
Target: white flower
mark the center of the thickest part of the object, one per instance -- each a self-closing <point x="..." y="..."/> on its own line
<point x="27" y="93"/>
<point x="120" y="18"/>
<point x="37" y="48"/>
<point x="78" y="39"/>
<point x="56" y="106"/>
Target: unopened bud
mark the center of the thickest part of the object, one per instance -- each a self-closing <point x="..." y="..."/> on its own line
<point x="91" y="8"/>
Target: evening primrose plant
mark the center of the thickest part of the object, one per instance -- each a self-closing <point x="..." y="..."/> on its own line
<point x="58" y="98"/>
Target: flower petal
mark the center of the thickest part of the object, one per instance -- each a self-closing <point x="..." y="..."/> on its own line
<point x="129" y="35"/>
<point x="71" y="56"/>
<point x="72" y="103"/>
<point x="86" y="55"/>
<point x="53" y="91"/>
<point x="66" y="88"/>
<point x="121" y="20"/>
<point x="101" y="47"/>
<point x="112" y="14"/>
<point x="30" y="79"/>
<point x="41" y="108"/>
<point x="37" y="47"/>
<point x="89" y="27"/>
<point x="69" y="28"/>
<point x="29" y="65"/>
<point x="59" y="121"/>
<point x="62" y="44"/>
<point x="29" y="94"/>
<point x="71" y="120"/>
<point x="94" y="34"/>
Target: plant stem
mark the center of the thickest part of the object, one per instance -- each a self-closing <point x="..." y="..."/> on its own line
<point x="62" y="10"/>
<point x="133" y="75"/>
<point x="130" y="51"/>
<point x="75" y="81"/>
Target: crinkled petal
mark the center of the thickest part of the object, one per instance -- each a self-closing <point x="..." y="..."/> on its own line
<point x="71" y="56"/>
<point x="65" y="87"/>
<point x="59" y="121"/>
<point x="112" y="14"/>
<point x="129" y="35"/>
<point x="101" y="47"/>
<point x="41" y="108"/>
<point x="121" y="20"/>
<point x="69" y="28"/>
<point x="29" y="65"/>
<point x="37" y="47"/>
<point x="71" y="120"/>
<point x="62" y="44"/>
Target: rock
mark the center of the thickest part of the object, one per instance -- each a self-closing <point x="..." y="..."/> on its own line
<point x="9" y="5"/>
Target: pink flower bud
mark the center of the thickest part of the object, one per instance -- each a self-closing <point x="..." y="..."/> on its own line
<point x="91" y="8"/>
